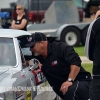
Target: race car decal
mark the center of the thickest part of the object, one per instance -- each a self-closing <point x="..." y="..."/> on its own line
<point x="19" y="94"/>
<point x="28" y="95"/>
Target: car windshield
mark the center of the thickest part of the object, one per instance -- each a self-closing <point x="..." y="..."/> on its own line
<point x="7" y="52"/>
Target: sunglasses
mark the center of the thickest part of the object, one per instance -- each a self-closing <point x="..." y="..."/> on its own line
<point x="18" y="8"/>
<point x="34" y="44"/>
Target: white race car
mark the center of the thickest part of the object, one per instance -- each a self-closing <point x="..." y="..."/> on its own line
<point x="17" y="80"/>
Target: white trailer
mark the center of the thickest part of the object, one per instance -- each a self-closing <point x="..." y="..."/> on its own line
<point x="59" y="13"/>
<point x="72" y="34"/>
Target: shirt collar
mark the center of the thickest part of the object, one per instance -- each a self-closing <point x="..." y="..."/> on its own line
<point x="49" y="48"/>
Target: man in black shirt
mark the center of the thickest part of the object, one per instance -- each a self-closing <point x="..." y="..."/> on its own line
<point x="92" y="50"/>
<point x="62" y="67"/>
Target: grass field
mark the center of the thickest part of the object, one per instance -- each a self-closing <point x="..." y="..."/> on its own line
<point x="80" y="50"/>
<point x="88" y="67"/>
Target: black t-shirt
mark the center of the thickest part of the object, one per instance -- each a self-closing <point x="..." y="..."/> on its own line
<point x="56" y="66"/>
<point x="95" y="37"/>
<point x="19" y="22"/>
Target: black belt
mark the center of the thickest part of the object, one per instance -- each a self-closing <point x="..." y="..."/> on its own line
<point x="96" y="76"/>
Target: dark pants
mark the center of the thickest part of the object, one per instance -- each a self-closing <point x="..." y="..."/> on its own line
<point x="95" y="88"/>
<point x="78" y="91"/>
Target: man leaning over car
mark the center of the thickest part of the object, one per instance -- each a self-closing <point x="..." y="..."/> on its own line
<point x="62" y="67"/>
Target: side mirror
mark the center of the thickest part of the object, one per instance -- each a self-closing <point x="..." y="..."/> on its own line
<point x="33" y="64"/>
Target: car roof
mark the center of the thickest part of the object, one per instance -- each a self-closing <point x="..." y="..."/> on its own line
<point x="10" y="33"/>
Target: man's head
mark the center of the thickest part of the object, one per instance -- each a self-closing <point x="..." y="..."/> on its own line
<point x="37" y="42"/>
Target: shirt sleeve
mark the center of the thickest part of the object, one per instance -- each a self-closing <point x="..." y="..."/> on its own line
<point x="69" y="55"/>
<point x="25" y="17"/>
<point x="96" y="52"/>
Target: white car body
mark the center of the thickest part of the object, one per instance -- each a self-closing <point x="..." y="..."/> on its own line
<point x="16" y="81"/>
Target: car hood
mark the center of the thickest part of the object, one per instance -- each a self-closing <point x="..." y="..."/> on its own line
<point x="6" y="80"/>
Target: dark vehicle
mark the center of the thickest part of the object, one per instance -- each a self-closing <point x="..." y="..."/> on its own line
<point x="35" y="9"/>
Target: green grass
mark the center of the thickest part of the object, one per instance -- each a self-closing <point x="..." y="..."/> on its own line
<point x="88" y="67"/>
<point x="80" y="50"/>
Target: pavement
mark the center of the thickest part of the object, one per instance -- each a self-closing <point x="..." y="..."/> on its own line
<point x="85" y="59"/>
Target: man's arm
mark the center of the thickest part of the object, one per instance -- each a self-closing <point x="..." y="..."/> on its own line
<point x="74" y="72"/>
<point x="20" y="26"/>
<point x="72" y="58"/>
<point x="97" y="14"/>
<point x="13" y="23"/>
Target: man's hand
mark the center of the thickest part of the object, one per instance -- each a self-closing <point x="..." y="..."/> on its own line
<point x="27" y="62"/>
<point x="40" y="65"/>
<point x="65" y="86"/>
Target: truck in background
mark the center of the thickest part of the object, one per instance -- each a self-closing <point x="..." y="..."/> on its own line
<point x="62" y="22"/>
<point x="36" y="9"/>
<point x="72" y="33"/>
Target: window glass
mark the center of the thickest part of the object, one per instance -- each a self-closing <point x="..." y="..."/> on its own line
<point x="7" y="52"/>
<point x="22" y="42"/>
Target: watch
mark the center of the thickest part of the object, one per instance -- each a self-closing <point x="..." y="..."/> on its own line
<point x="70" y="80"/>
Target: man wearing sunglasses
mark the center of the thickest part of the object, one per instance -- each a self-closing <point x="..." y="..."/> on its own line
<point x="62" y="67"/>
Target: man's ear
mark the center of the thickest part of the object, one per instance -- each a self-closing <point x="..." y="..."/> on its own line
<point x="41" y="43"/>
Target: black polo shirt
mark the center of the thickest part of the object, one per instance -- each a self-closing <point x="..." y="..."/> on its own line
<point x="92" y="45"/>
<point x="56" y="66"/>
